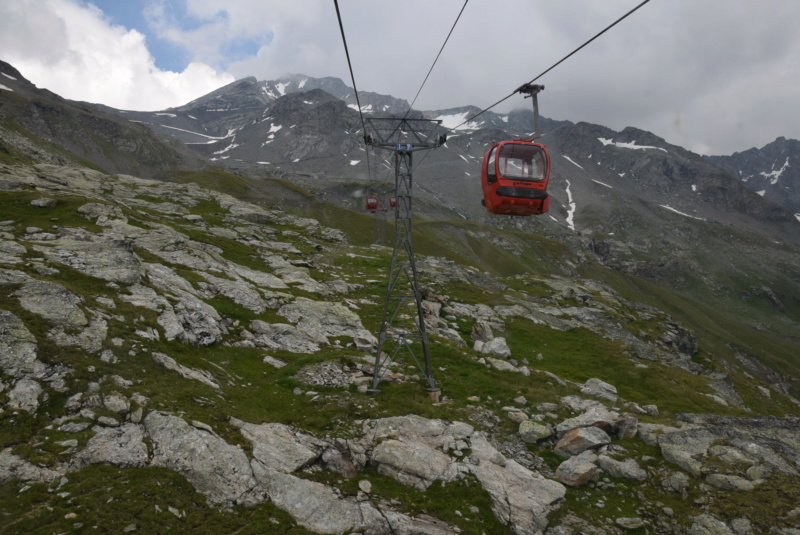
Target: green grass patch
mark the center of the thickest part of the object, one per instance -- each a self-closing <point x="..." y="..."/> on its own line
<point x="106" y="499"/>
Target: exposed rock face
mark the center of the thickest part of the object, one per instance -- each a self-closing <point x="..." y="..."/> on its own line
<point x="121" y="446"/>
<point x="581" y="439"/>
<point x="18" y="348"/>
<point x="162" y="276"/>
<point x="278" y="447"/>
<point x="579" y="470"/>
<point x="320" y="320"/>
<point x="768" y="442"/>
<point x="14" y="467"/>
<point x="521" y="498"/>
<point x="597" y="388"/>
<point x="216" y="469"/>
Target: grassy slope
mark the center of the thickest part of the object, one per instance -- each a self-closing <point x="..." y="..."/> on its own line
<point x="253" y="392"/>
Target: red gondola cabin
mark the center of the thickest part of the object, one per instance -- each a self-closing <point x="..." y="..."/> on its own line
<point x="514" y="178"/>
<point x="372" y="203"/>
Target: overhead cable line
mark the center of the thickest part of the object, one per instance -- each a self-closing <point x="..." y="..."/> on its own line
<point x="353" y="79"/>
<point x="559" y="62"/>
<point x="437" y="58"/>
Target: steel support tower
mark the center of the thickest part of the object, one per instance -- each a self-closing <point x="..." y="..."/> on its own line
<point x="403" y="324"/>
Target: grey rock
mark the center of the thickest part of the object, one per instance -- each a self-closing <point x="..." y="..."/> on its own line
<point x="319" y="508"/>
<point x="14" y="467"/>
<point x="649" y="433"/>
<point x="706" y="524"/>
<point x="629" y="522"/>
<point x="53" y="302"/>
<point x="412" y="463"/>
<point x="600" y="389"/>
<point x="496" y="346"/>
<point x="18" y="348"/>
<point x="323" y="319"/>
<point x="578" y="471"/>
<point x="520" y="497"/>
<point x="581" y="439"/>
<point x="730" y="482"/>
<point x="599" y="417"/>
<point x="116" y="403"/>
<point x="25" y="395"/>
<point x="101" y="256"/>
<point x="279" y="447"/>
<point x="434" y="433"/>
<point x="627" y="469"/>
<point x="214" y="468"/>
<point x="284" y="337"/>
<point x="189" y="373"/>
<point x="44" y="202"/>
<point x="121" y="446"/>
<point x="532" y="432"/>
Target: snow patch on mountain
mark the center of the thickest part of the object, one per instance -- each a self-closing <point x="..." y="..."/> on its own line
<point x="681" y="213"/>
<point x="454" y="122"/>
<point x="775" y="175"/>
<point x="571" y="210"/>
<point x="572" y="161"/>
<point x="631" y="145"/>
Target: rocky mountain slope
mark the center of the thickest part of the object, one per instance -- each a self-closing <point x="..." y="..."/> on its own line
<point x="772" y="171"/>
<point x="65" y="131"/>
<point x="173" y="358"/>
<point x="192" y="353"/>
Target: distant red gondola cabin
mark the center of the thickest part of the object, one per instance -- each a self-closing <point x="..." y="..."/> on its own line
<point x="392" y="201"/>
<point x="514" y="178"/>
<point x="372" y="203"/>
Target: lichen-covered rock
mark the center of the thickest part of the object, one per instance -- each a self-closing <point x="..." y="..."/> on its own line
<point x="532" y="432"/>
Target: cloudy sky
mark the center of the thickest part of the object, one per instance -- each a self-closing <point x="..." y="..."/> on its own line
<point x="714" y="76"/>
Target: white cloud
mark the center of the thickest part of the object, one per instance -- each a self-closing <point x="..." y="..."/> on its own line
<point x="71" y="49"/>
<point x="710" y="76"/>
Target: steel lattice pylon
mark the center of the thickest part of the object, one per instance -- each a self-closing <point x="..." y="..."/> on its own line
<point x="403" y="324"/>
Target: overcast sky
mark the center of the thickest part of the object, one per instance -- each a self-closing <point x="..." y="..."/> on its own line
<point x="714" y="76"/>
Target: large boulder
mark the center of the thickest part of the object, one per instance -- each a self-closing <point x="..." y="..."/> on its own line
<point x="520" y="498"/>
<point x="413" y="463"/>
<point x="320" y="319"/>
<point x="121" y="446"/>
<point x="579" y="470"/>
<point x="581" y="439"/>
<point x="215" y="468"/>
<point x="279" y="447"/>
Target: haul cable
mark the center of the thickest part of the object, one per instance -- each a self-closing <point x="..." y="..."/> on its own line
<point x="559" y="62"/>
<point x="353" y="79"/>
